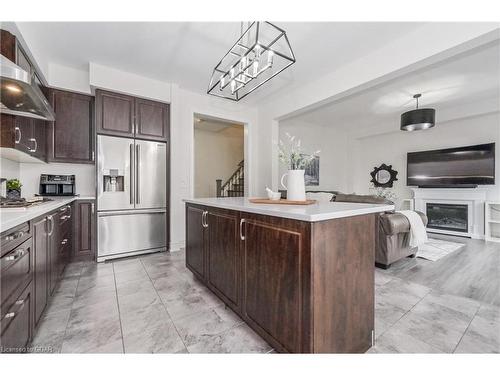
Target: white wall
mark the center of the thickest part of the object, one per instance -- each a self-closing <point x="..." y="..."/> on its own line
<point x="9" y="169"/>
<point x="392" y="148"/>
<point x="217" y="155"/>
<point x="185" y="104"/>
<point x="333" y="158"/>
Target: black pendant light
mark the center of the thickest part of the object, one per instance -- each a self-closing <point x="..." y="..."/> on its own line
<point x="419" y="118"/>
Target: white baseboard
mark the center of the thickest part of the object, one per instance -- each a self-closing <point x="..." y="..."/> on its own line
<point x="176" y="246"/>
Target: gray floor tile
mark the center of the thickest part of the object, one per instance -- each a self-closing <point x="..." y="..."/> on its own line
<point x="93" y="296"/>
<point x="195" y="328"/>
<point x="95" y="281"/>
<point x="86" y="314"/>
<point x="436" y="324"/>
<point x="97" y="336"/>
<point x="400" y="293"/>
<point x="137" y="301"/>
<point x="97" y="269"/>
<point x="381" y="277"/>
<point x="132" y="275"/>
<point x="483" y="333"/>
<point x="144" y="318"/>
<point x="135" y="286"/>
<point x="193" y="301"/>
<point x="240" y="339"/>
<point x="162" y="337"/>
<point x="396" y="341"/>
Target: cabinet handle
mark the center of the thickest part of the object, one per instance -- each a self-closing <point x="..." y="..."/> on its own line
<point x="17" y="254"/>
<point x="18" y="135"/>
<point x="10" y="315"/>
<point x="242" y="222"/>
<point x="51" y="220"/>
<point x="64" y="242"/>
<point x="204" y="221"/>
<point x="92" y="207"/>
<point x="14" y="236"/>
<point x="36" y="145"/>
<point x="132" y="171"/>
<point x="137" y="174"/>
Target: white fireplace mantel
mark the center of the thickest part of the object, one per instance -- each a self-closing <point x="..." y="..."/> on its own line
<point x="473" y="197"/>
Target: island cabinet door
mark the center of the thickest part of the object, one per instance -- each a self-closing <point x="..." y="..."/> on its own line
<point x="223" y="259"/>
<point x="276" y="280"/>
<point x="195" y="240"/>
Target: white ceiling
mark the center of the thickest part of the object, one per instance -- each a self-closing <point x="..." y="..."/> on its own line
<point x="185" y="53"/>
<point x="470" y="78"/>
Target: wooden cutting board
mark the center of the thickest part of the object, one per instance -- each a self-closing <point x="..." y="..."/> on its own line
<point x="282" y="201"/>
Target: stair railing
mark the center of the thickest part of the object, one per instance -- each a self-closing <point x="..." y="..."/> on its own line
<point x="233" y="187"/>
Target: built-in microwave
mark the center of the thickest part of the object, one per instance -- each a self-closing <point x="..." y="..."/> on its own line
<point x="57" y="185"/>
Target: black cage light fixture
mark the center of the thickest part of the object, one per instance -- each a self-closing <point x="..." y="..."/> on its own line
<point x="419" y="118"/>
<point x="261" y="52"/>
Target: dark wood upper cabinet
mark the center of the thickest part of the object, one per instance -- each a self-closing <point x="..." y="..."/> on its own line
<point x="195" y="241"/>
<point x="128" y="116"/>
<point x="84" y="229"/>
<point x="223" y="259"/>
<point x="71" y="135"/>
<point x="152" y="120"/>
<point x="114" y="114"/>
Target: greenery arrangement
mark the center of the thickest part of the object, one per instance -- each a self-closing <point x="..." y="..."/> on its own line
<point x="292" y="154"/>
<point x="14" y="184"/>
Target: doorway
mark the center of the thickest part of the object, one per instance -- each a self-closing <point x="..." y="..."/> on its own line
<point x="219" y="157"/>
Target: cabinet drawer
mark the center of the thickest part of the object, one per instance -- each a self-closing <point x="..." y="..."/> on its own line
<point x="16" y="269"/>
<point x="15" y="236"/>
<point x="16" y="323"/>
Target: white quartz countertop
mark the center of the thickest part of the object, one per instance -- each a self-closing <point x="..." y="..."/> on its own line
<point x="318" y="211"/>
<point x="11" y="217"/>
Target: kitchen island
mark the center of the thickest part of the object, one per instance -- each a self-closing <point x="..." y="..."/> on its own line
<point x="302" y="277"/>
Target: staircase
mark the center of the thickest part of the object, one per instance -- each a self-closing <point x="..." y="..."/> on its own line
<point x="235" y="185"/>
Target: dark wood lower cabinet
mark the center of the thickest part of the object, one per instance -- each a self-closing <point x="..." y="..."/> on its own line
<point x="195" y="240"/>
<point x="276" y="254"/>
<point x="223" y="258"/>
<point x="41" y="266"/>
<point x="305" y="287"/>
<point x="84" y="229"/>
<point x="17" y="322"/>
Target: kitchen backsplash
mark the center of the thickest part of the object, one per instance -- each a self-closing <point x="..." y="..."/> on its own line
<point x="29" y="174"/>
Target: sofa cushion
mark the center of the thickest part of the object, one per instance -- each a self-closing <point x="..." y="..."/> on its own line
<point x="355" y="198"/>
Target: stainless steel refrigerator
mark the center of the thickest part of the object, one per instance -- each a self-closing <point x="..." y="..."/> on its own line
<point x="131" y="197"/>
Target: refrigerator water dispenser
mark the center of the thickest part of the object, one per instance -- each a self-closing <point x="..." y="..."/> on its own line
<point x="113" y="180"/>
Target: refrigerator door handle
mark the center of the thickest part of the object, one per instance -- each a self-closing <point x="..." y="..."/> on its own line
<point x="131" y="173"/>
<point x="137" y="174"/>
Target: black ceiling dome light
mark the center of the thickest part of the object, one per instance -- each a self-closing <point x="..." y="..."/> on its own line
<point x="419" y="118"/>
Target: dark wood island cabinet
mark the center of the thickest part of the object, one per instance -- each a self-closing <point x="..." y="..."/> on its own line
<point x="304" y="285"/>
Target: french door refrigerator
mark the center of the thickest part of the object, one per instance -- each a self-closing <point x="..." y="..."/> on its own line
<point x="131" y="197"/>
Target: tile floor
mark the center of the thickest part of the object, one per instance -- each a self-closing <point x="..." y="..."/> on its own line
<point x="152" y="304"/>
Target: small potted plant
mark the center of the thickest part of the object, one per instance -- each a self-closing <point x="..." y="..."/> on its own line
<point x="14" y="189"/>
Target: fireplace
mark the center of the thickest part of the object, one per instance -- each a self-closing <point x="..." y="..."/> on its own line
<point x="448" y="217"/>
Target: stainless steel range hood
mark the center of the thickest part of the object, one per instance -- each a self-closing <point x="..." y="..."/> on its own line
<point x="19" y="96"/>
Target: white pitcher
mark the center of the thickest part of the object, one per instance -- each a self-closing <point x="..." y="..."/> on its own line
<point x="296" y="189"/>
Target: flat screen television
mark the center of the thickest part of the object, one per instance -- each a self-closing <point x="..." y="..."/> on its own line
<point x="452" y="167"/>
